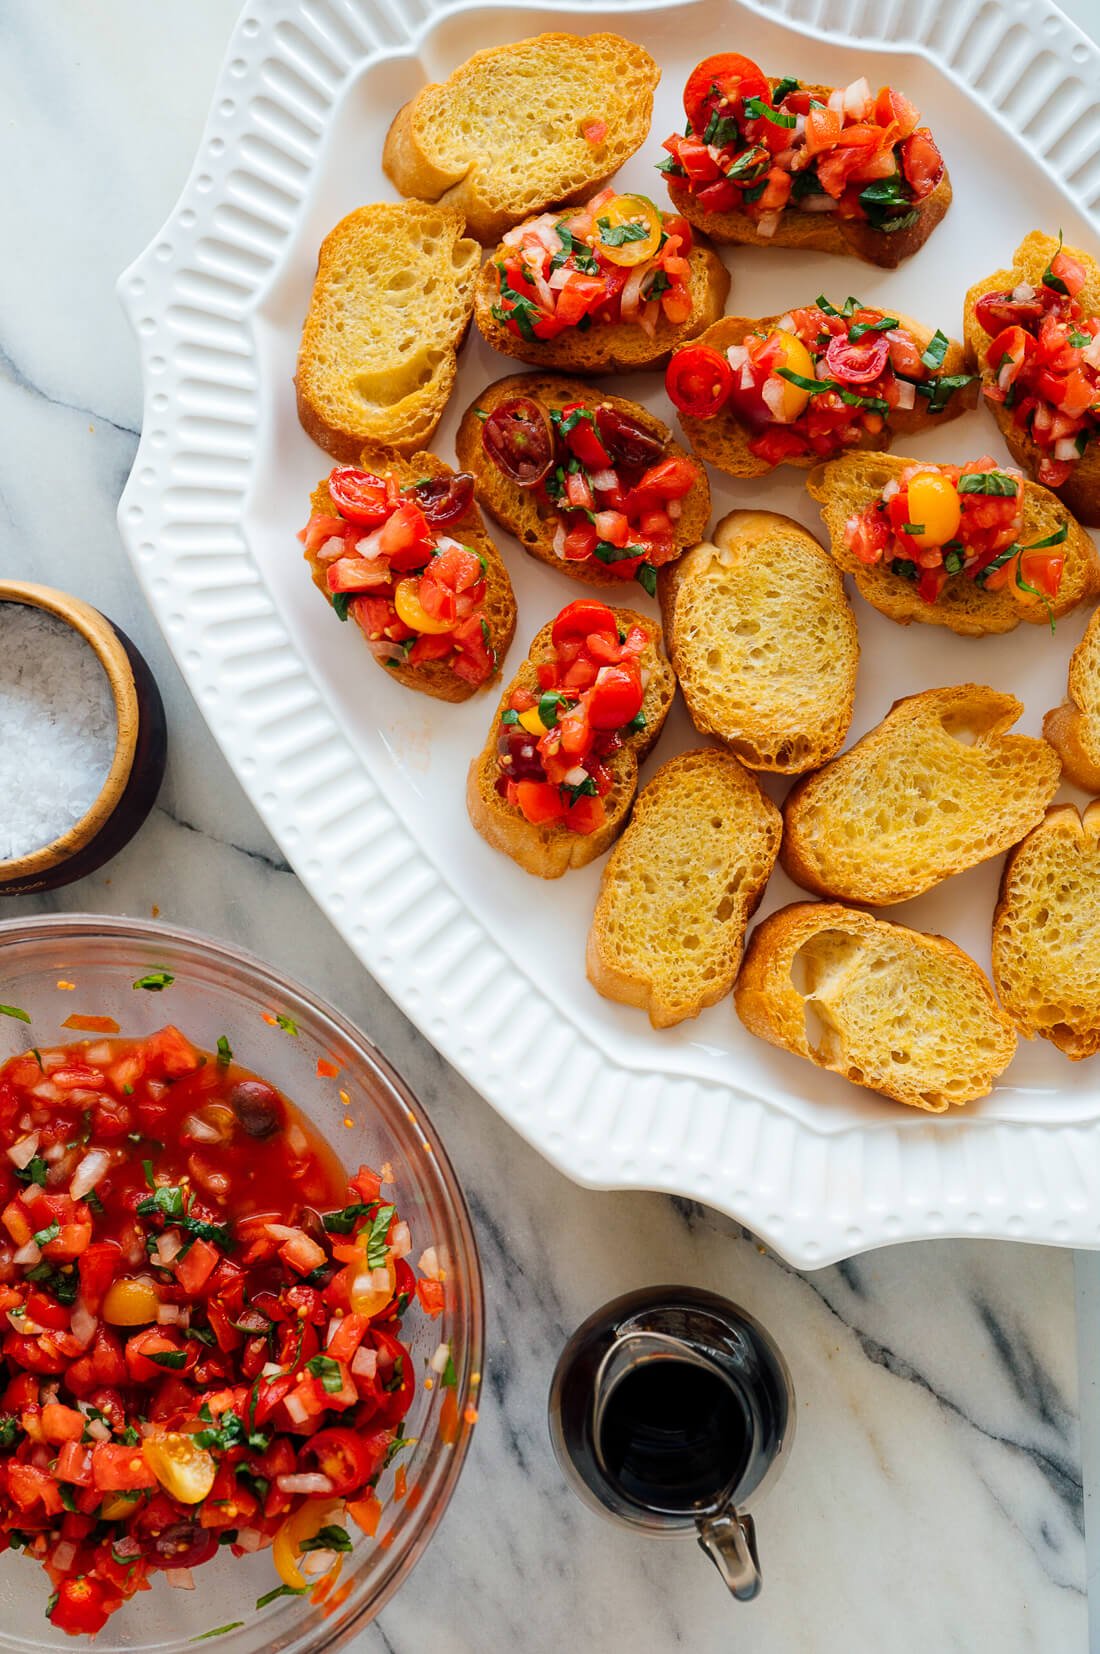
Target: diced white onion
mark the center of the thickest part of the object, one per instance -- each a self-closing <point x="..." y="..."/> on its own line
<point x="856" y="97"/>
<point x="786" y="323"/>
<point x="836" y="100"/>
<point x="47" y="1091"/>
<point x="767" y="225"/>
<point x="168" y="1314"/>
<point x="201" y="1130"/>
<point x="98" y="1431"/>
<point x="400" y="1241"/>
<point x="907" y="394"/>
<point x="559" y="539"/>
<point x="364" y="1363"/>
<point x="22" y="1153"/>
<point x="317" y="1563"/>
<point x="1066" y="448"/>
<point x="369" y="547"/>
<point x="604" y="481"/>
<point x="558" y="280"/>
<point x="385" y="651"/>
<point x="817" y="203"/>
<point x="55" y="1152"/>
<point x="892" y="487"/>
<point x="330" y="549"/>
<point x="1091" y="353"/>
<point x="29" y="1254"/>
<point x="294" y="1407"/>
<point x="631" y="300"/>
<point x="308" y="1482"/>
<point x="271" y="1369"/>
<point x="774" y="393"/>
<point x="576" y="777"/>
<point x="62" y="1558"/>
<point x="297" y="1141"/>
<point x="169" y="1245"/>
<point x="91" y="1170"/>
<point x="737" y="356"/>
<point x="439" y="1360"/>
<point x="428" y="1264"/>
<point x="181" y="1578"/>
<point x="380" y="1279"/>
<point x="251" y="1539"/>
<point x="1023" y="292"/>
<point x="82" y="1322"/>
<point x="281" y="1231"/>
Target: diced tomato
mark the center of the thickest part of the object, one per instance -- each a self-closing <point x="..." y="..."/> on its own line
<point x="150" y="1354"/>
<point x="405" y="538"/>
<point x="349" y="1335"/>
<point x="356" y="574"/>
<point x="116" y="1468"/>
<point x="195" y="1267"/>
<point x="538" y="802"/>
<point x="74" y="1463"/>
<point x="430" y="1295"/>
<point x="61" y="1423"/>
<point x="83" y="1606"/>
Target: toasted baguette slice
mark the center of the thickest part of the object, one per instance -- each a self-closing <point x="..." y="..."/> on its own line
<point x="847" y="485"/>
<point x="1081" y="493"/>
<point x="819" y="232"/>
<point x="521" y="510"/>
<point x="504" y="135"/>
<point x="937" y="787"/>
<point x="391" y="305"/>
<point x="724" y="440"/>
<point x="608" y="347"/>
<point x="1046" y="938"/>
<point x="552" y="849"/>
<point x="1073" y="729"/>
<point x="680" y="887"/>
<point x="904" y="1013"/>
<point x="763" y="641"/>
<point x="435" y="677"/>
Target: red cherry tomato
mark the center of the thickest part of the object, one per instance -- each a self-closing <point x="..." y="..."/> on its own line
<point x="628" y="442"/>
<point x="400" y="1375"/>
<point x="444" y="499"/>
<point x="858" y="363"/>
<point x="580" y="619"/>
<point x="82" y="1606"/>
<point x="922" y="163"/>
<point x="995" y="311"/>
<point x="179" y="1545"/>
<point x="345" y="1457"/>
<point x="699" y="380"/>
<point x="359" y="496"/>
<point x="519" y="439"/>
<point x="616" y="697"/>
<point x="677" y="226"/>
<point x="721" y="79"/>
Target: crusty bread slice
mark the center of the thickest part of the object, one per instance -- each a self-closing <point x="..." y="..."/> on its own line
<point x="1073" y="729"/>
<point x="1082" y="492"/>
<point x="763" y="641"/>
<point x="936" y="787"/>
<point x="1046" y="932"/>
<point x="680" y="887"/>
<point x="520" y="511"/>
<point x="819" y="232"/>
<point x="724" y="440"/>
<point x="504" y="135"/>
<point x="552" y="849"/>
<point x="904" y="1013"/>
<point x="390" y="308"/>
<point x="435" y="677"/>
<point x="847" y="485"/>
<point x="608" y="347"/>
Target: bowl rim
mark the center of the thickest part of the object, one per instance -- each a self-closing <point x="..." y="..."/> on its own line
<point x="320" y="1635"/>
<point x="107" y="646"/>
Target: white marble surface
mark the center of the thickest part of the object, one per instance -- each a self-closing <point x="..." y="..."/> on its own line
<point x="934" y="1498"/>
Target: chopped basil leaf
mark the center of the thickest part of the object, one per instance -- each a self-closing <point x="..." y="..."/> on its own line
<point x="582" y="255"/>
<point x="617" y="235"/>
<point x="903" y="566"/>
<point x="14" y="1011"/>
<point x="1049" y="279"/>
<point x="1055" y="539"/>
<point x="564" y="423"/>
<point x="550" y="705"/>
<point x="784" y="88"/>
<point x="397" y="1446"/>
<point x="636" y="724"/>
<point x="376" y="1237"/>
<point x="155" y="981"/>
<point x="330" y="1538"/>
<point x="814" y="386"/>
<point x="756" y="109"/>
<point x="343" y="1221"/>
<point x="583" y="789"/>
<point x="43" y="1237"/>
<point x="173" y="1360"/>
<point x="340" y="601"/>
<point x="95" y="1203"/>
<point x="219" y="1630"/>
<point x="749" y="165"/>
<point x="33" y="1172"/>
<point x="940" y="391"/>
<point x="66" y="1496"/>
<point x="988" y="482"/>
<point x="912" y="528"/>
<point x="281" y="1591"/>
<point x="605" y="552"/>
<point x="823" y="304"/>
<point x="37" y="1055"/>
<point x="9" y="1429"/>
<point x="1080" y="341"/>
<point x="225" y="1053"/>
<point x="953" y="562"/>
<point x="450" y="1378"/>
<point x="805" y="182"/>
<point x="509" y="716"/>
<point x="935" y="350"/>
<point x="858" y="329"/>
<point x="721" y="130"/>
<point x="150" y="1180"/>
<point x="754" y="191"/>
<point x="524" y="311"/>
<point x="671" y="167"/>
<point x="656" y="284"/>
<point x="646" y="576"/>
<point x="328" y="1371"/>
<point x="231" y="1431"/>
<point x="51" y="1603"/>
<point x="287" y="1024"/>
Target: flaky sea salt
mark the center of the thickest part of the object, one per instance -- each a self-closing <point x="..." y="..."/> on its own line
<point x="57" y="728"/>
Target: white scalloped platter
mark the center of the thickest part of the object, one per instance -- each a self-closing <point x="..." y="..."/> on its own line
<point x="361" y="782"/>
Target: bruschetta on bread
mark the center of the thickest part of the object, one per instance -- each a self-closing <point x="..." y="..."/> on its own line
<point x="1073" y="729"/>
<point x="1033" y="333"/>
<point x="590" y="484"/>
<point x="553" y="786"/>
<point x="754" y="393"/>
<point x="398" y="547"/>
<point x="519" y="128"/>
<point x="390" y="308"/>
<point x="608" y="286"/>
<point x="907" y="1014"/>
<point x="973" y="547"/>
<point x="775" y="163"/>
<point x="763" y="641"/>
<point x="680" y="887"/>
<point x="938" y="786"/>
<point x="1046" y="940"/>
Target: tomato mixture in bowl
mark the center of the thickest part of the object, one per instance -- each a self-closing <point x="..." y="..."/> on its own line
<point x="386" y="560"/>
<point x="758" y="146"/>
<point x="616" y="259"/>
<point x="817" y="381"/>
<point x="203" y="1343"/>
<point x="935" y="522"/>
<point x="553" y="746"/>
<point x="615" y="495"/>
<point x="1042" y="362"/>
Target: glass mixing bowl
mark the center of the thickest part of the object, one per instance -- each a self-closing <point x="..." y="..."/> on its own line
<point x="52" y="967"/>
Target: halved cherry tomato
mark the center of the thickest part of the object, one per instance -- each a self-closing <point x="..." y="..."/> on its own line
<point x="632" y="232"/>
<point x="305" y="1523"/>
<point x="410" y="609"/>
<point x="719" y="80"/>
<point x="625" y="439"/>
<point x="519" y="439"/>
<point x="83" y="1606"/>
<point x="347" y="1457"/>
<point x="359" y="496"/>
<point x="183" y="1468"/>
<point x="616" y="697"/>
<point x="922" y="163"/>
<point x="579" y="619"/>
<point x="995" y="311"/>
<point x="858" y="362"/>
<point x="698" y="380"/>
<point x="444" y="499"/>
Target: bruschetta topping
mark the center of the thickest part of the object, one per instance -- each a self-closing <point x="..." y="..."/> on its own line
<point x="1043" y="362"/>
<point x="817" y="381"/>
<point x="553" y="746"/>
<point x="614" y="490"/>
<point x="934" y="522"/>
<point x="617" y="259"/>
<point x="415" y="591"/>
<point x="758" y="146"/>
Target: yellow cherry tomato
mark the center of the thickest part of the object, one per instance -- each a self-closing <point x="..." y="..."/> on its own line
<point x="406" y="600"/>
<point x="304" y="1523"/>
<point x="180" y="1465"/>
<point x="933" y="504"/>
<point x="369" y="1301"/>
<point x="797" y="359"/>
<point x="131" y="1302"/>
<point x="641" y="221"/>
<point x="531" y="721"/>
<point x="119" y="1505"/>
